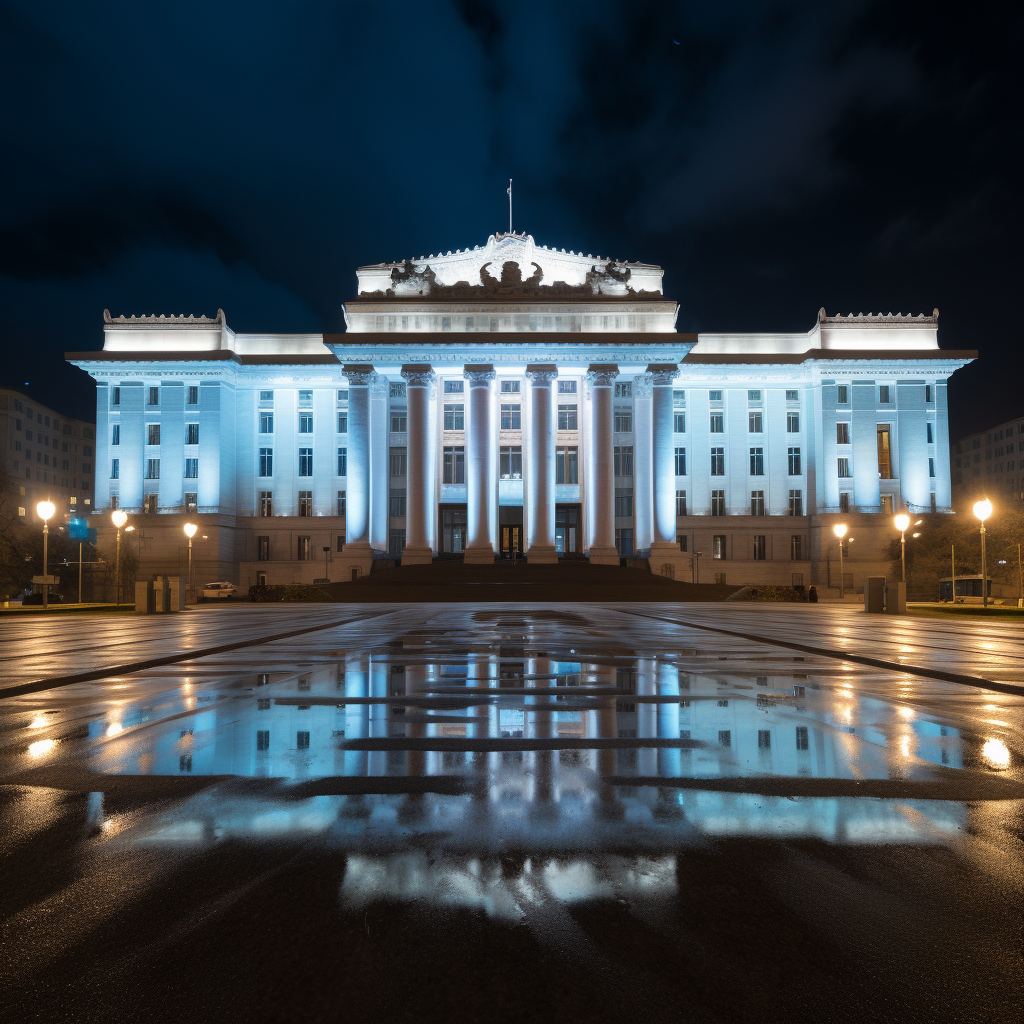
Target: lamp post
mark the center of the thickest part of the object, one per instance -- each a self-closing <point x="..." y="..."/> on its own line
<point x="840" y="531"/>
<point x="901" y="522"/>
<point x="983" y="509"/>
<point x="118" y="517"/>
<point x="45" y="510"/>
<point x="190" y="532"/>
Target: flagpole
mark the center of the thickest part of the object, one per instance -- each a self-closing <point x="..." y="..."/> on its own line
<point x="510" y="206"/>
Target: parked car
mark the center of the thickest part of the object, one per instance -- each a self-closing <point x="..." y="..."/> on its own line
<point x="219" y="591"/>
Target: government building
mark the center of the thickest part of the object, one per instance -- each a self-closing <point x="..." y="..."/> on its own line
<point x="519" y="401"/>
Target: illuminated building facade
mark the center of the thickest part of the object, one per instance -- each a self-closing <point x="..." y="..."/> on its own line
<point x="516" y="400"/>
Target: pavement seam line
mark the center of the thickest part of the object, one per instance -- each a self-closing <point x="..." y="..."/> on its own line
<point x="138" y="666"/>
<point x="860" y="659"/>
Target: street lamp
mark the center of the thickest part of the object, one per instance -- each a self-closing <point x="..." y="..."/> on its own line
<point x="45" y="510"/>
<point x="190" y="532"/>
<point x="983" y="509"/>
<point x="901" y="522"/>
<point x="840" y="531"/>
<point x="118" y="517"/>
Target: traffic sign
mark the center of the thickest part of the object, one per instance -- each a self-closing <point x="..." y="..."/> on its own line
<point x="78" y="529"/>
<point x="47" y="580"/>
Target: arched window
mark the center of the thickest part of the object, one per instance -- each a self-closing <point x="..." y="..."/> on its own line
<point x="668" y="570"/>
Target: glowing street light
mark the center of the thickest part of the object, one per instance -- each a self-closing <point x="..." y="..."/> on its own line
<point x="901" y="522"/>
<point x="190" y="532"/>
<point x="983" y="509"/>
<point x="840" y="531"/>
<point x="118" y="517"/>
<point x="45" y="511"/>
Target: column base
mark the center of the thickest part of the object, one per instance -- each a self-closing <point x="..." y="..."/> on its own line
<point x="604" y="556"/>
<point x="417" y="555"/>
<point x="479" y="556"/>
<point x="358" y="556"/>
<point x="542" y="554"/>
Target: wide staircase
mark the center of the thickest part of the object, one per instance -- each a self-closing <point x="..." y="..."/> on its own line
<point x="565" y="582"/>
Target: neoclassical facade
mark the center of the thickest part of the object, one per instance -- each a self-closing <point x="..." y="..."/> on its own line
<point x="513" y="400"/>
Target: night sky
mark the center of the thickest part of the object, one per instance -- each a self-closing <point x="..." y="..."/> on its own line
<point x="773" y="157"/>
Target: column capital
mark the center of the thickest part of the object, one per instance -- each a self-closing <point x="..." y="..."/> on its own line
<point x="478" y="373"/>
<point x="662" y="374"/>
<point x="360" y="375"/>
<point x="541" y="373"/>
<point x="418" y="375"/>
<point x="602" y="374"/>
<point x="643" y="385"/>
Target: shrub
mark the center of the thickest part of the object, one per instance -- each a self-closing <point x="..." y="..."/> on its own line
<point x="288" y="592"/>
<point x="769" y="593"/>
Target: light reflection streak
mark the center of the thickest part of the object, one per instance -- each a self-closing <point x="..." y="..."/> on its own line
<point x="41" y="748"/>
<point x="39" y="722"/>
<point x="996" y="752"/>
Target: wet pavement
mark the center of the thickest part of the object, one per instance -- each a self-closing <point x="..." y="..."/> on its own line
<point x="493" y="813"/>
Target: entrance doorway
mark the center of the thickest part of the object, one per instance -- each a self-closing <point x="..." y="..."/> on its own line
<point x="567" y="530"/>
<point x="510" y="521"/>
<point x="453" y="530"/>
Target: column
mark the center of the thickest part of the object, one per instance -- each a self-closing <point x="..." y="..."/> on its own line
<point x="380" y="493"/>
<point x="643" y="493"/>
<point x="664" y="550"/>
<point x="601" y="471"/>
<point x="358" y="554"/>
<point x="419" y="379"/>
<point x="481" y="468"/>
<point x="541" y="463"/>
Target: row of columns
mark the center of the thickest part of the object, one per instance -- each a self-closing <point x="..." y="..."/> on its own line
<point x="654" y="470"/>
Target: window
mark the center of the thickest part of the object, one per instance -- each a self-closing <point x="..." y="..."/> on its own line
<point x="397" y="462"/>
<point x="796" y="547"/>
<point x="843" y="394"/>
<point x="567" y="465"/>
<point x="680" y="503"/>
<point x="718" y="503"/>
<point x="679" y="422"/>
<point x="305" y="503"/>
<point x="191" y="469"/>
<point x="305" y="423"/>
<point x="510" y="462"/>
<point x="115" y="434"/>
<point x="681" y="540"/>
<point x="843" y="468"/>
<point x="679" y="397"/>
<point x="796" y="503"/>
<point x="266" y="397"/>
<point x="305" y="462"/>
<point x="454" y="417"/>
<point x="305" y="397"/>
<point x="753" y="396"/>
<point x="931" y="467"/>
<point x="341" y="506"/>
<point x="262" y="549"/>
<point x="801" y="738"/>
<point x="342" y="462"/>
<point x="454" y="387"/>
<point x="193" y="394"/>
<point x="115" y="469"/>
<point x="454" y="465"/>
<point x="266" y="503"/>
<point x="262" y="740"/>
<point x="757" y="462"/>
<point x="623" y="390"/>
<point x="883" y="394"/>
<point x="192" y="433"/>
<point x="718" y="546"/>
<point x="623" y="455"/>
<point x="928" y="396"/>
<point x="792" y="396"/>
<point x="567" y="387"/>
<point x="844" y="501"/>
<point x="794" y="461"/>
<point x="396" y="502"/>
<point x="511" y="418"/>
<point x="714" y="396"/>
<point x="717" y="425"/>
<point x="342" y="422"/>
<point x="884" y="453"/>
<point x="792" y="423"/>
<point x="304" y="545"/>
<point x="154" y="396"/>
<point x="113" y="504"/>
<point x="153" y="433"/>
<point x="760" y="547"/>
<point x="398" y="423"/>
<point x="266" y="422"/>
<point x="887" y="504"/>
<point x="623" y="421"/>
<point x="510" y="387"/>
<point x="754" y="422"/>
<point x="567" y="417"/>
<point x="718" y="462"/>
<point x="623" y="502"/>
<point x="266" y="462"/>
<point x="930" y="433"/>
<point x="842" y="433"/>
<point x="191" y="499"/>
<point x="757" y="503"/>
<point x="680" y="462"/>
<point x="152" y="469"/>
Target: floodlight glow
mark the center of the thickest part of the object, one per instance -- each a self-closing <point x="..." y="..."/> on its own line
<point x="983" y="509"/>
<point x="839" y="530"/>
<point x="119" y="517"/>
<point x="190" y="530"/>
<point x="45" y="510"/>
<point x="901" y="522"/>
